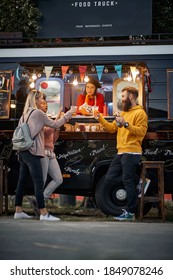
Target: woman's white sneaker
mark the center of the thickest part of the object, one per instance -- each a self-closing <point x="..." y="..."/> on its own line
<point x="22" y="215"/>
<point x="49" y="217"/>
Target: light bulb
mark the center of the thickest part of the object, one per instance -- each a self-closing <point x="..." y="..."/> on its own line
<point x="125" y="77"/>
<point x="86" y="79"/>
<point x="32" y="85"/>
<point x="34" y="76"/>
<point x="93" y="69"/>
<point x="24" y="74"/>
<point x="71" y="71"/>
<point x="129" y="78"/>
<point x="13" y="104"/>
<point x="75" y="82"/>
<point x="57" y="74"/>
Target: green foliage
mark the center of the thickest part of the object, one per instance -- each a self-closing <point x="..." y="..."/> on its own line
<point x="19" y="16"/>
<point x="162" y="16"/>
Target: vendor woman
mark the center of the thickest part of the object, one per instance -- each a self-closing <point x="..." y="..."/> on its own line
<point x="90" y="97"/>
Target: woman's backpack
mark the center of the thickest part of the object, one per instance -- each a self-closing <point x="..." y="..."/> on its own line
<point x="21" y="139"/>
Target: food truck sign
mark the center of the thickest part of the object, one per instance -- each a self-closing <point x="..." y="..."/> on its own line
<point x="68" y="18"/>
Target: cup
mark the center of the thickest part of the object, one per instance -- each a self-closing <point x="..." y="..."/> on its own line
<point x="95" y="110"/>
<point x="94" y="127"/>
<point x="82" y="127"/>
<point x="87" y="128"/>
<point x="74" y="109"/>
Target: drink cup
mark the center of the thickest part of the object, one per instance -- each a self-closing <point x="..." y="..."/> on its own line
<point x="74" y="109"/>
<point x="117" y="114"/>
<point x="93" y="128"/>
<point x="95" y="110"/>
<point x="87" y="128"/>
<point x="82" y="127"/>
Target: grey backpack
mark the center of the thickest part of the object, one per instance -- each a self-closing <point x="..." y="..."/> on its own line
<point x="21" y="139"/>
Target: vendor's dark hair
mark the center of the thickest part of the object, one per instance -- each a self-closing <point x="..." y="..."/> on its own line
<point x="85" y="93"/>
<point x="93" y="82"/>
<point x="131" y="90"/>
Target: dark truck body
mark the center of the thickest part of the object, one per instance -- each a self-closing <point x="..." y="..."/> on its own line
<point x="84" y="158"/>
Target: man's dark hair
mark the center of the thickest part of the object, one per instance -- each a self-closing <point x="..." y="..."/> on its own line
<point x="131" y="90"/>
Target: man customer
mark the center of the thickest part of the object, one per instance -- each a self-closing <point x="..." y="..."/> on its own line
<point x="131" y="126"/>
<point x="30" y="160"/>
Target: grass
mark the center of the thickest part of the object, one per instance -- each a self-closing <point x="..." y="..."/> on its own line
<point x="78" y="213"/>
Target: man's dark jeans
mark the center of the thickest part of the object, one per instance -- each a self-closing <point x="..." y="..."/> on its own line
<point x="30" y="165"/>
<point x="124" y="170"/>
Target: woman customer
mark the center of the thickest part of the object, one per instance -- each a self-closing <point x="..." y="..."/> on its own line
<point x="30" y="160"/>
<point x="49" y="162"/>
<point x="90" y="98"/>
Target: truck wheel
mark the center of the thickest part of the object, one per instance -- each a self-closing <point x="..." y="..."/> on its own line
<point x="113" y="199"/>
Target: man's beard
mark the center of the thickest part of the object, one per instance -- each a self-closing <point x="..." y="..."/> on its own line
<point x="126" y="105"/>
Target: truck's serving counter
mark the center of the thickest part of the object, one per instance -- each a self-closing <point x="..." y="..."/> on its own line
<point x="157" y="129"/>
<point x="103" y="135"/>
<point x="81" y="127"/>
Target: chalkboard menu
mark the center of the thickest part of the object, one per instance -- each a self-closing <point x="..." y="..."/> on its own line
<point x="5" y="94"/>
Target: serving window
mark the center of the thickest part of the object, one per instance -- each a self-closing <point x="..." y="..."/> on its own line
<point x="118" y="85"/>
<point x="5" y="93"/>
<point x="53" y="90"/>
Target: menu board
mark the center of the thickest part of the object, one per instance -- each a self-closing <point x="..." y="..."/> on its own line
<point x="80" y="18"/>
<point x="5" y="94"/>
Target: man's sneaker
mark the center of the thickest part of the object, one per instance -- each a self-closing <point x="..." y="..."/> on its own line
<point x="49" y="217"/>
<point x="125" y="216"/>
<point x="22" y="215"/>
<point x="146" y="185"/>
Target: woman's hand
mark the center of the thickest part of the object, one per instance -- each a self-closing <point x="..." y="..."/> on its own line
<point x="59" y="113"/>
<point x="87" y="97"/>
<point x="84" y="112"/>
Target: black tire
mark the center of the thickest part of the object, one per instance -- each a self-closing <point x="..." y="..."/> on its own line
<point x="111" y="200"/>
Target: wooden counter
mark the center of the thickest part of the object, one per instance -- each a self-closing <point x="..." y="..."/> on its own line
<point x="83" y="135"/>
<point x="103" y="135"/>
<point x="157" y="129"/>
<point x="96" y="135"/>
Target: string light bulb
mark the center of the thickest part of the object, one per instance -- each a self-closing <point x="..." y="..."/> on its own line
<point x="129" y="78"/>
<point x="75" y="82"/>
<point x="86" y="79"/>
<point x="13" y="104"/>
<point x="106" y="70"/>
<point x="57" y="74"/>
<point x="71" y="71"/>
<point x="32" y="85"/>
<point x="93" y="69"/>
<point x="34" y="76"/>
<point x="137" y="71"/>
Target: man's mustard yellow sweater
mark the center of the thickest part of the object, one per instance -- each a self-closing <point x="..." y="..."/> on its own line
<point x="129" y="140"/>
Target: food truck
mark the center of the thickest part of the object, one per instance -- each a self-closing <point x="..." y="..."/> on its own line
<point x="108" y="48"/>
<point x="84" y="150"/>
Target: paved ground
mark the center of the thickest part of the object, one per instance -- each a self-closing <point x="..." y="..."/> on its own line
<point x="33" y="239"/>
